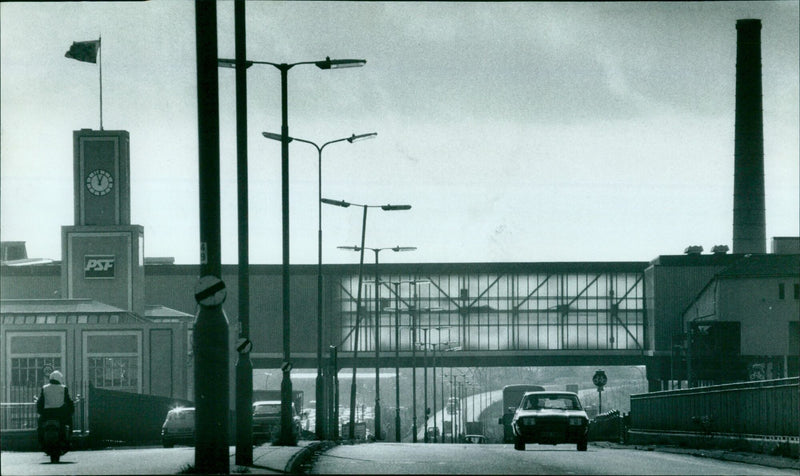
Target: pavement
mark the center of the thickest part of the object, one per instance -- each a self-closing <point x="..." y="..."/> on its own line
<point x="725" y="455"/>
<point x="268" y="459"/>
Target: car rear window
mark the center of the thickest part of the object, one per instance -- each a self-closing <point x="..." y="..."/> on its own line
<point x="559" y="402"/>
<point x="181" y="415"/>
<point x="267" y="410"/>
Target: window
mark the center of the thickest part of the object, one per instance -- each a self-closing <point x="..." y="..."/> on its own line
<point x="797" y="291"/>
<point x="781" y="291"/>
<point x="113" y="360"/>
<point x="31" y="358"/>
<point x="118" y="373"/>
<point x="29" y="371"/>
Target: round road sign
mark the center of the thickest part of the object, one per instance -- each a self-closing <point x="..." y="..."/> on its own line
<point x="210" y="291"/>
<point x="244" y="346"/>
<point x="599" y="378"/>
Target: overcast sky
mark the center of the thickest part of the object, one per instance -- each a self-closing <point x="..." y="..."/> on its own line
<point x="528" y="132"/>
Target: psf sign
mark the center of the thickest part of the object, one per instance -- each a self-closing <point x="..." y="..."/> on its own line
<point x="98" y="266"/>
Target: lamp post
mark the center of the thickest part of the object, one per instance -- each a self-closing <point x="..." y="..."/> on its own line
<point x="397" y="423"/>
<point x="286" y="437"/>
<point x="396" y="249"/>
<point x="424" y="346"/>
<point x="320" y="410"/>
<point x="397" y="432"/>
<point x="344" y="204"/>
<point x="210" y="342"/>
<point x="435" y="345"/>
<point x="414" y="314"/>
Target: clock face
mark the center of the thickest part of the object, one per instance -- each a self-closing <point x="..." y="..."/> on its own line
<point x="99" y="182"/>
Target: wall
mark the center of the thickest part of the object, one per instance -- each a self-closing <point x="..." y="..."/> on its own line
<point x="765" y="318"/>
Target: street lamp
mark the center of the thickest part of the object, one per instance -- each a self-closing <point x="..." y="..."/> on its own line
<point x="396" y="249"/>
<point x="319" y="425"/>
<point x="424" y="346"/>
<point x="414" y="315"/>
<point x="397" y="432"/>
<point x="435" y="345"/>
<point x="344" y="204"/>
<point x="286" y="438"/>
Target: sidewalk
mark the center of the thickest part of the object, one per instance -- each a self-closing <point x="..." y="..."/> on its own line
<point x="725" y="455"/>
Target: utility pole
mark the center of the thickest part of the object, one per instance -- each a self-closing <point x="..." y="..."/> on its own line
<point x="211" y="375"/>
<point x="244" y="367"/>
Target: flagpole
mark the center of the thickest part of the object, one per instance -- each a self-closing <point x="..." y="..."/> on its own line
<point x="100" y="52"/>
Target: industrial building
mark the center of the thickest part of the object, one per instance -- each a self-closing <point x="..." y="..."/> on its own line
<point x="108" y="316"/>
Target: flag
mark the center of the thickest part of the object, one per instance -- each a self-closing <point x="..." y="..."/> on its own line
<point x="84" y="51"/>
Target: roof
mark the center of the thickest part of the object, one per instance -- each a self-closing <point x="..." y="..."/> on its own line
<point x="767" y="265"/>
<point x="696" y="260"/>
<point x="40" y="306"/>
<point x="159" y="312"/>
<point x="63" y="311"/>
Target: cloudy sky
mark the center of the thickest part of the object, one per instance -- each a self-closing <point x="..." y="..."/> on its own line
<point x="517" y="131"/>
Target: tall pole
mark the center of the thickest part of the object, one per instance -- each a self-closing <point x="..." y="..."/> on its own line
<point x="287" y="438"/>
<point x="425" y="382"/>
<point x="320" y="395"/>
<point x="211" y="326"/>
<point x="397" y="431"/>
<point x="435" y="429"/>
<point x="352" y="429"/>
<point x="100" y="68"/>
<point x="335" y="393"/>
<point x="378" y="432"/>
<point x="244" y="367"/>
<point x="454" y="416"/>
<point x="443" y="404"/>
<point x="472" y="398"/>
<point x="414" y="368"/>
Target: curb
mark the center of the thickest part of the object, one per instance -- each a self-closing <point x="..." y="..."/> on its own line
<point x="304" y="456"/>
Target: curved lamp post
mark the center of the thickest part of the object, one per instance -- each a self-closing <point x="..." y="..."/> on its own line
<point x="320" y="410"/>
<point x="388" y="208"/>
<point x="396" y="249"/>
<point x="286" y="438"/>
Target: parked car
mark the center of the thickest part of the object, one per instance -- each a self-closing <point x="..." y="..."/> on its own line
<point x="475" y="439"/>
<point x="178" y="427"/>
<point x="267" y="420"/>
<point x="550" y="418"/>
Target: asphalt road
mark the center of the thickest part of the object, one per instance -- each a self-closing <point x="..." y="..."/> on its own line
<point x="406" y="458"/>
<point x="153" y="460"/>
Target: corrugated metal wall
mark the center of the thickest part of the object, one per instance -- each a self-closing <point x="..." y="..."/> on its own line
<point x="766" y="407"/>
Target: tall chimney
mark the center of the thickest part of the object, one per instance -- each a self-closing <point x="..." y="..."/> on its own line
<point x="749" y="226"/>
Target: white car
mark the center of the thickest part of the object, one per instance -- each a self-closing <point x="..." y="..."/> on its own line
<point x="550" y="418"/>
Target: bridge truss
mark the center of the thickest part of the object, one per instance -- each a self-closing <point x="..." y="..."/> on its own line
<point x="587" y="309"/>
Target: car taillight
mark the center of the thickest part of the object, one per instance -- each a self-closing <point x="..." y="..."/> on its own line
<point x="530" y="421"/>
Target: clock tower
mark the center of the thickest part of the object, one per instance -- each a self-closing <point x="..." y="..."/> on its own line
<point x="102" y="177"/>
<point x="103" y="254"/>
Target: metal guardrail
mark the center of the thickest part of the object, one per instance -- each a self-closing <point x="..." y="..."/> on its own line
<point x="18" y="416"/>
<point x="766" y="407"/>
<point x="608" y="426"/>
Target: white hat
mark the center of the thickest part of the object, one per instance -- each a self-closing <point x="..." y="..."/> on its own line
<point x="58" y="376"/>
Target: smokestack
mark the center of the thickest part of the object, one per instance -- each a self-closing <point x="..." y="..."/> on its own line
<point x="749" y="225"/>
